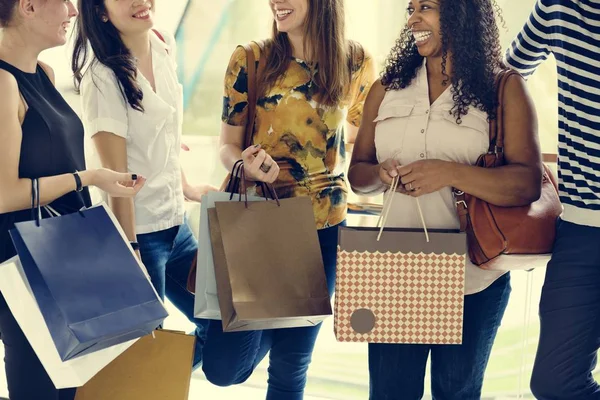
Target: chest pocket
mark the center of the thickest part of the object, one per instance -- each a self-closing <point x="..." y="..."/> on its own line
<point x="391" y="129"/>
<point x="463" y="142"/>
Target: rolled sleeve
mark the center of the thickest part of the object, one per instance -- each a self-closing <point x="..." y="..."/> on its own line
<point x="104" y="108"/>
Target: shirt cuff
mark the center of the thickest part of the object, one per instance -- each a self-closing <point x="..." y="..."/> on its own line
<point x="106" y="125"/>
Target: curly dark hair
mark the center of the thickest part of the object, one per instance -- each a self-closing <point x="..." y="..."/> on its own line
<point x="469" y="31"/>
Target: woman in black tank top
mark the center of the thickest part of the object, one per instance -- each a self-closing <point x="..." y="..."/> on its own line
<point x="40" y="137"/>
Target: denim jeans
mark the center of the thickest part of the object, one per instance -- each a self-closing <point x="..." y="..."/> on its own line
<point x="230" y="358"/>
<point x="397" y="371"/>
<point x="570" y="317"/>
<point x="168" y="256"/>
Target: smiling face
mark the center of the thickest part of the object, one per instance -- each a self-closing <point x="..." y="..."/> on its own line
<point x="51" y="20"/>
<point x="130" y="17"/>
<point x="290" y="15"/>
<point x="424" y="21"/>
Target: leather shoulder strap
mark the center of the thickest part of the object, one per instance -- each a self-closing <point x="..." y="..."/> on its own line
<point x="253" y="71"/>
<point x="497" y="125"/>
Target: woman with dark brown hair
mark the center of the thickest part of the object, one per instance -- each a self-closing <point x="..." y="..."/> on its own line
<point x="313" y="83"/>
<point x="42" y="138"/>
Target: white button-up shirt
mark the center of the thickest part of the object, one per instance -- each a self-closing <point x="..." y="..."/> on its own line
<point x="153" y="137"/>
<point x="410" y="129"/>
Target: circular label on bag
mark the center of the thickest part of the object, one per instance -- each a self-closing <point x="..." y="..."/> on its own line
<point x="362" y="321"/>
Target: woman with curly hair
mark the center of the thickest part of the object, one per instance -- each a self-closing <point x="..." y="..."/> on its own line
<point x="426" y="121"/>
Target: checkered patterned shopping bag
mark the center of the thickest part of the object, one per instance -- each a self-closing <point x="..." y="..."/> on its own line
<point x="401" y="288"/>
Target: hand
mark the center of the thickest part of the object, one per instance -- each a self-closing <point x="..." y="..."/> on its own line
<point x="427" y="176"/>
<point x="117" y="184"/>
<point x="388" y="170"/>
<point x="254" y="158"/>
<point x="195" y="193"/>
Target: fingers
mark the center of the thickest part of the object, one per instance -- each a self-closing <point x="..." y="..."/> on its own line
<point x="273" y="173"/>
<point x="127" y="188"/>
<point x="247" y="155"/>
<point x="256" y="173"/>
<point x="406" y="179"/>
<point x="391" y="167"/>
<point x="118" y="190"/>
<point x="388" y="170"/>
<point x="127" y="179"/>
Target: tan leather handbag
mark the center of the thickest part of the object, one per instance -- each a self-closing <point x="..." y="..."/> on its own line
<point x="493" y="230"/>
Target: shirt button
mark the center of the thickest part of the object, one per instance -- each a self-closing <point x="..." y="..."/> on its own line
<point x="427" y="112"/>
<point x="422" y="155"/>
<point x="422" y="130"/>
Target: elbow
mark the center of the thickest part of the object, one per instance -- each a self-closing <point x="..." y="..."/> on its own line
<point x="530" y="195"/>
<point x="531" y="191"/>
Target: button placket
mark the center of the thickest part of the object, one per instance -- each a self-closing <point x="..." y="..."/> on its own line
<point x="423" y="152"/>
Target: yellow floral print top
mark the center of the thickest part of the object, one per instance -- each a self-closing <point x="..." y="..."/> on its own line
<point x="304" y="137"/>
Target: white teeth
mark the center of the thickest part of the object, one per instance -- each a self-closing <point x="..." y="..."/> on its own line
<point x="422" y="36"/>
<point x="283" y="13"/>
<point x="142" y="14"/>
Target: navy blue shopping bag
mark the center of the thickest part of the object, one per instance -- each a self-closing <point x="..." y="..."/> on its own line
<point x="86" y="281"/>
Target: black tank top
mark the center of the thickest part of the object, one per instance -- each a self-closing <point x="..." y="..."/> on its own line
<point x="52" y="144"/>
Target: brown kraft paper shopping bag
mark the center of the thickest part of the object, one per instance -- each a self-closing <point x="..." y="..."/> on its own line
<point x="156" y="367"/>
<point x="268" y="265"/>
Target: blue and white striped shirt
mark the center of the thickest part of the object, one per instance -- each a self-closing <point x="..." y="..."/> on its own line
<point x="570" y="29"/>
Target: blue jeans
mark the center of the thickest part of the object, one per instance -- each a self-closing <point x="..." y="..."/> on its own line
<point x="230" y="358"/>
<point x="397" y="371"/>
<point x="570" y="317"/>
<point x="168" y="256"/>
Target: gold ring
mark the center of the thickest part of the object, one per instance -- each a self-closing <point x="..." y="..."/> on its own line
<point x="410" y="187"/>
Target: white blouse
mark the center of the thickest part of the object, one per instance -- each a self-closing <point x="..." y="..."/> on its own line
<point x="410" y="129"/>
<point x="153" y="137"/>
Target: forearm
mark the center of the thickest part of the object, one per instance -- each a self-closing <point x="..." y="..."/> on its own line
<point x="124" y="210"/>
<point x="18" y="196"/>
<point x="364" y="179"/>
<point x="184" y="183"/>
<point x="230" y="154"/>
<point x="507" y="186"/>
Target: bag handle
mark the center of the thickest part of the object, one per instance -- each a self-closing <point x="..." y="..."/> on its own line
<point x="253" y="71"/>
<point x="233" y="183"/>
<point x="36" y="207"/>
<point x="36" y="210"/>
<point x="387" y="205"/>
<point x="496" y="145"/>
<point x="267" y="188"/>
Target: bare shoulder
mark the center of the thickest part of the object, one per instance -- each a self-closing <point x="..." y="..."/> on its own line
<point x="376" y="93"/>
<point x="9" y="88"/>
<point x="48" y="70"/>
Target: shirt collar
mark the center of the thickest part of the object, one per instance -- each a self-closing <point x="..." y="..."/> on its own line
<point x="158" y="45"/>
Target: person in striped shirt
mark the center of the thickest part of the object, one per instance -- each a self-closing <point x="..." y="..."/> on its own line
<point x="570" y="303"/>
